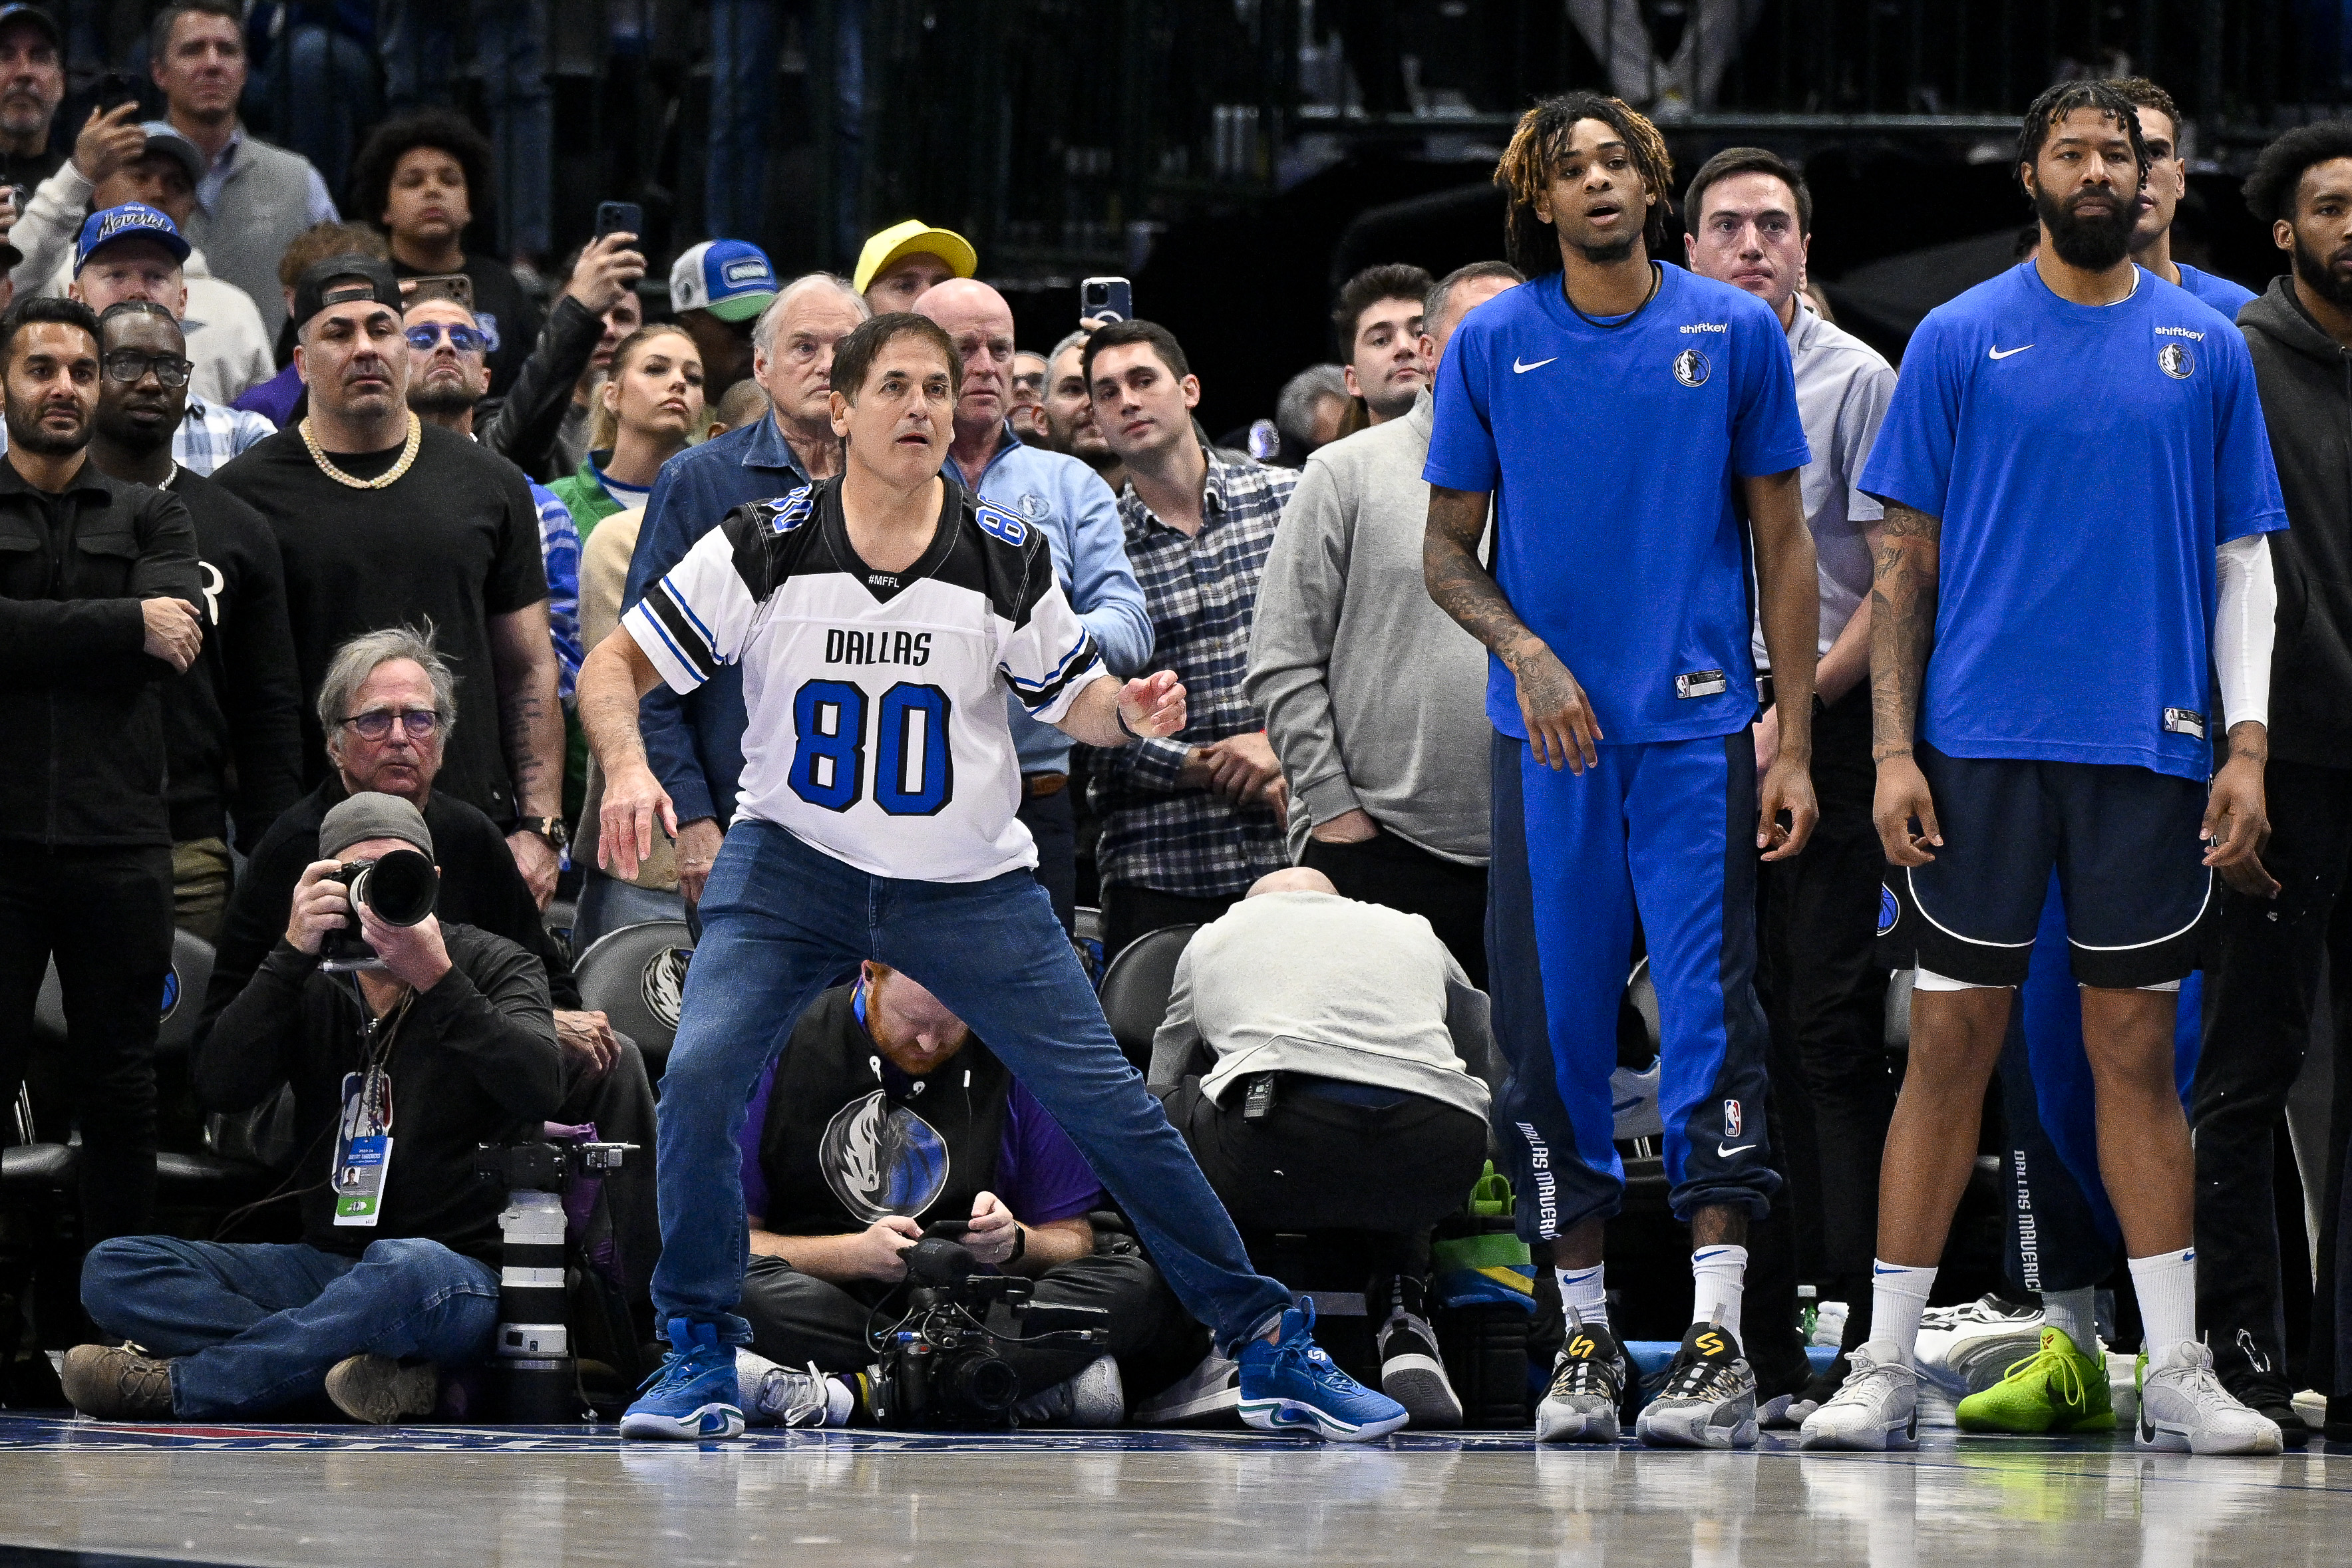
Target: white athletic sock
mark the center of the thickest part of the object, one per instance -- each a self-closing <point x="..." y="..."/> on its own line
<point x="1898" y="1294"/>
<point x="1584" y="1292"/>
<point x="2077" y="1312"/>
<point x="2167" y="1284"/>
<point x="1717" y="1276"/>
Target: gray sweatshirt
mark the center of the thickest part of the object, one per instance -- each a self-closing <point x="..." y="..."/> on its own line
<point x="1314" y="983"/>
<point x="1372" y="697"/>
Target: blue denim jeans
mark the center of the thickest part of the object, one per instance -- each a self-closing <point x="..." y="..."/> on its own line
<point x="781" y="922"/>
<point x="252" y="1328"/>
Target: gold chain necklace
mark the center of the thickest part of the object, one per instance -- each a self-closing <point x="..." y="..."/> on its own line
<point x="382" y="481"/>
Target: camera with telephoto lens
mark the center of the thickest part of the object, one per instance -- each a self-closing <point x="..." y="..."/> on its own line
<point x="942" y="1366"/>
<point x="534" y="1379"/>
<point x="401" y="887"/>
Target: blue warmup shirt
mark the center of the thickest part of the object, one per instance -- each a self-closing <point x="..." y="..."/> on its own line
<point x="2224" y="295"/>
<point x="1611" y="452"/>
<point x="2085" y="461"/>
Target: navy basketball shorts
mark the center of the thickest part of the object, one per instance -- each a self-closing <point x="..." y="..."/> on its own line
<point x="2123" y="840"/>
<point x="1663" y="833"/>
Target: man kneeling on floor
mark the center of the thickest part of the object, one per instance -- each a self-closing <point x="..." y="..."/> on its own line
<point x="1329" y="1063"/>
<point x="886" y="1120"/>
<point x="396" y="1275"/>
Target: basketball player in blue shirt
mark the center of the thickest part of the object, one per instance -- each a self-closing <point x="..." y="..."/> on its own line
<point x="1622" y="413"/>
<point x="2076" y="479"/>
<point x="881" y="618"/>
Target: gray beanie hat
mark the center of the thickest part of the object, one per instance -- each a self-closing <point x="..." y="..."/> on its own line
<point x="370" y="815"/>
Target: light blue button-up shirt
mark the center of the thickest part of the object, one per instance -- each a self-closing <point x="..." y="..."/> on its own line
<point x="1079" y="517"/>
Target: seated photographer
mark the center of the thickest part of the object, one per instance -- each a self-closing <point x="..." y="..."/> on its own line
<point x="883" y="1119"/>
<point x="1329" y="1063"/>
<point x="397" y="1272"/>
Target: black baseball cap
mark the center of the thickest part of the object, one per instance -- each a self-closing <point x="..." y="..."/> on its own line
<point x="38" y="16"/>
<point x="340" y="280"/>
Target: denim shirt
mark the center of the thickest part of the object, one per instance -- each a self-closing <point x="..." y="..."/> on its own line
<point x="1079" y="517"/>
<point x="695" y="743"/>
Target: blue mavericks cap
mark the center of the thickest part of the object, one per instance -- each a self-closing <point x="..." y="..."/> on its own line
<point x="728" y="278"/>
<point x="125" y="222"/>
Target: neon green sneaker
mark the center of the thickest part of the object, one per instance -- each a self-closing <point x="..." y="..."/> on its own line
<point x="2055" y="1389"/>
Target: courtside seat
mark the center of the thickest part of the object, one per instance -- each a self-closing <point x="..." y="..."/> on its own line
<point x="636" y="978"/>
<point x="1136" y="986"/>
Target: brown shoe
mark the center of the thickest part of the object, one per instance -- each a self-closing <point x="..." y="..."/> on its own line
<point x="380" y="1391"/>
<point x="116" y="1383"/>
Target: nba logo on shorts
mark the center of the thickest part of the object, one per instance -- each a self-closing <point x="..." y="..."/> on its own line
<point x="1691" y="368"/>
<point x="1731" y="1118"/>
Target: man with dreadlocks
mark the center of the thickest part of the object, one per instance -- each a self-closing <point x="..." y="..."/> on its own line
<point x="2077" y="480"/>
<point x="1626" y="413"/>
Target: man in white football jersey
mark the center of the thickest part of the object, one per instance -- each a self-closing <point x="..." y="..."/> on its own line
<point x="879" y="617"/>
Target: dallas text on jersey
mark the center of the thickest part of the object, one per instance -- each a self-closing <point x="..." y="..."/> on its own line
<point x="843" y="646"/>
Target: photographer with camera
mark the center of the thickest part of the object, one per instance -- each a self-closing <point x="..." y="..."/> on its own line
<point x="399" y="1071"/>
<point x="884" y="1121"/>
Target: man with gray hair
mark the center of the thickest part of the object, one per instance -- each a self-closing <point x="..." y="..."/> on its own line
<point x="388" y="703"/>
<point x="1310" y="410"/>
<point x="1375" y="699"/>
<point x="696" y="743"/>
<point x="398" y="1075"/>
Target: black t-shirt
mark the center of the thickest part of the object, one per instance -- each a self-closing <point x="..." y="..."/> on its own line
<point x="232" y="724"/>
<point x="508" y="313"/>
<point x="454" y="541"/>
<point x="30" y="168"/>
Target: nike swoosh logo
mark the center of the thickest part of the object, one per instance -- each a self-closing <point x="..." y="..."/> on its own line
<point x="2004" y="353"/>
<point x="1724" y="1151"/>
<point x="1522" y="368"/>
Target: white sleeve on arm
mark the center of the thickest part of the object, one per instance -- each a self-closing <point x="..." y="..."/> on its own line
<point x="695" y="619"/>
<point x="2244" y="622"/>
<point x="1049" y="660"/>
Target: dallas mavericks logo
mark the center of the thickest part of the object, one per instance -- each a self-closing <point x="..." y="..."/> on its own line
<point x="1889" y="909"/>
<point x="171" y="992"/>
<point x="2176" y="360"/>
<point x="1691" y="368"/>
<point x="663" y="989"/>
<point x="880" y="1161"/>
<point x="1731" y="1118"/>
<point x="1032" y="507"/>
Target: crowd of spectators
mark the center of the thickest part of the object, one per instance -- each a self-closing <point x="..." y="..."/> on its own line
<point x="308" y="525"/>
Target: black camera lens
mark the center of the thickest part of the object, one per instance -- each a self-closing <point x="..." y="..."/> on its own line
<point x="400" y="887"/>
<point x="985" y="1382"/>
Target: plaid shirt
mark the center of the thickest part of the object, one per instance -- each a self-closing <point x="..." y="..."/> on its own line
<point x="210" y="433"/>
<point x="1202" y="593"/>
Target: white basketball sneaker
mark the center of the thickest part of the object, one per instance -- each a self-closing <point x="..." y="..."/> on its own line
<point x="1878" y="1407"/>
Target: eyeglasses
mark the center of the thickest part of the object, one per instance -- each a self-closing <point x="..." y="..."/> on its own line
<point x="129" y="365"/>
<point x="465" y="340"/>
<point x="376" y="723"/>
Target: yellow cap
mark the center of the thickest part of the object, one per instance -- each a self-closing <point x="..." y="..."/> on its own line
<point x="909" y="238"/>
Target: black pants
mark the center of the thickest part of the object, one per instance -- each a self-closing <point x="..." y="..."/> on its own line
<point x="1052" y="821"/>
<point x="1317" y="1164"/>
<point x="1824" y="997"/>
<point x="1129" y="912"/>
<point x="797" y="1318"/>
<point x="1387" y="870"/>
<point x="2261" y="984"/>
<point x="106" y="915"/>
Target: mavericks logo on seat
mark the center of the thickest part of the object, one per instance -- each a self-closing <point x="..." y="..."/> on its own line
<point x="663" y="989"/>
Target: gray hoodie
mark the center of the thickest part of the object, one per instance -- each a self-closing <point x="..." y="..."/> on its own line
<point x="1372" y="697"/>
<point x="2306" y="380"/>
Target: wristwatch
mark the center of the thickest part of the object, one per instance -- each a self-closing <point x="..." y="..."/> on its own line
<point x="551" y="829"/>
<point x="1020" y="1243"/>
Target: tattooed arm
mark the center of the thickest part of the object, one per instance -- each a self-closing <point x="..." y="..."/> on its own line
<point x="1562" y="726"/>
<point x="523" y="660"/>
<point x="1902" y="631"/>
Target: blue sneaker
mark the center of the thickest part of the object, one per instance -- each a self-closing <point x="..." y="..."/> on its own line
<point x="693" y="1393"/>
<point x="1292" y="1384"/>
